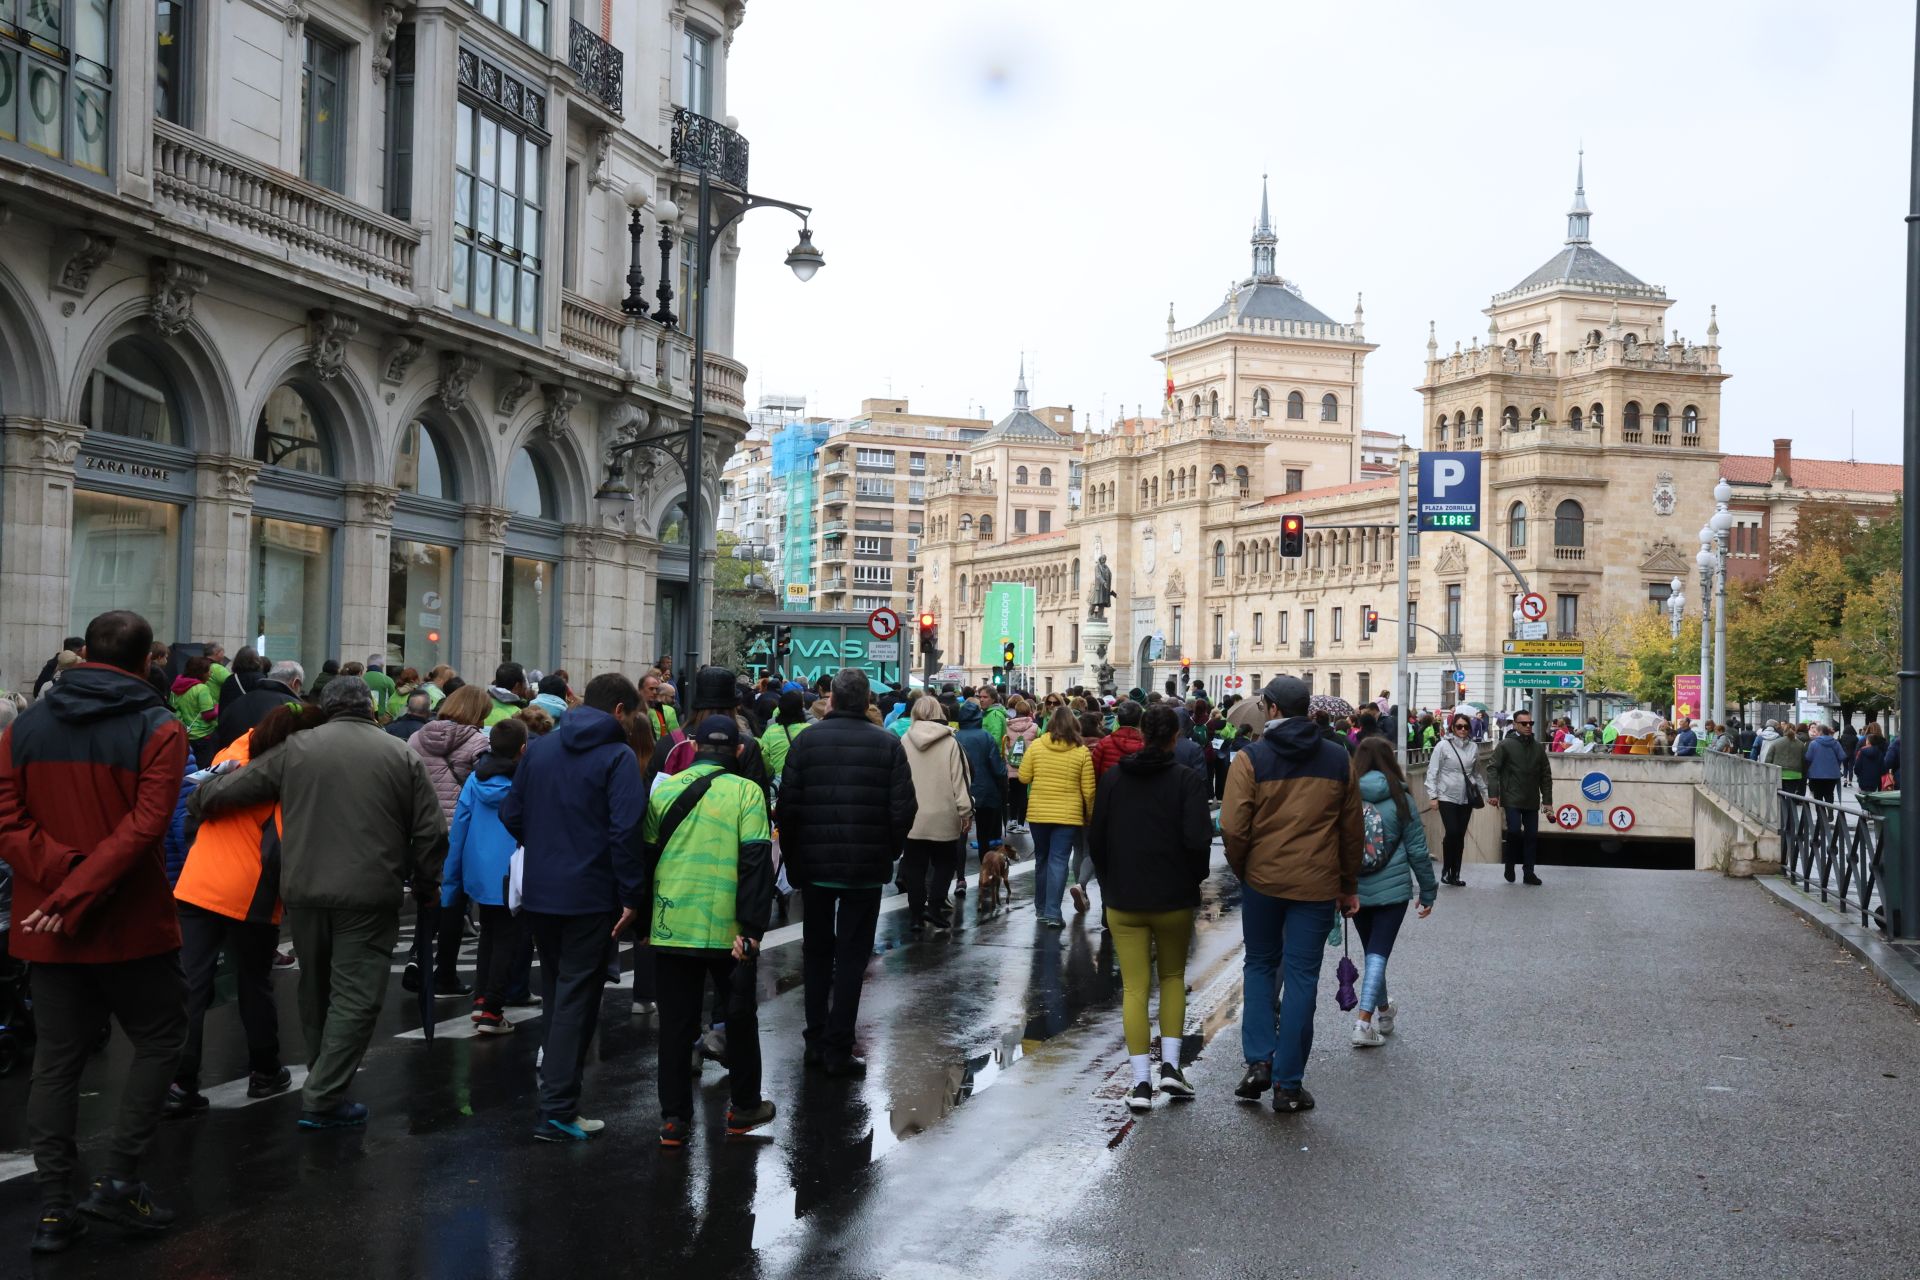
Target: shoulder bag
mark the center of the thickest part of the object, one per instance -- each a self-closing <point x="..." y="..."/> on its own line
<point x="1474" y="799"/>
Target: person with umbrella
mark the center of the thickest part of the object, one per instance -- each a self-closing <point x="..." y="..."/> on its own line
<point x="1520" y="785"/>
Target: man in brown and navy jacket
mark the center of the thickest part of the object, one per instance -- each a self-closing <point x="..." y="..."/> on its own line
<point x="89" y="777"/>
<point x="1291" y="823"/>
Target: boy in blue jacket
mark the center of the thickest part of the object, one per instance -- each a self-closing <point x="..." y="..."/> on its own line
<point x="479" y="857"/>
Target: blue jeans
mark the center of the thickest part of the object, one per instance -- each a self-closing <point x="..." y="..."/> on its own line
<point x="1281" y="931"/>
<point x="1052" y="852"/>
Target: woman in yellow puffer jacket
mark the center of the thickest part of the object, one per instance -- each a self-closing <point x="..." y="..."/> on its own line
<point x="1058" y="771"/>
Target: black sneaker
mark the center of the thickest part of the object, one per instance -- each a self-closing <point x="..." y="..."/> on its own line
<point x="1173" y="1083"/>
<point x="1294" y="1099"/>
<point x="1258" y="1080"/>
<point x="261" y="1084"/>
<point x="442" y="991"/>
<point x="58" y="1228"/>
<point x="1531" y="878"/>
<point x="814" y="1057"/>
<point x="342" y="1115"/>
<point x="1140" y="1097"/>
<point x="741" y="1120"/>
<point x="182" y="1103"/>
<point x="673" y="1133"/>
<point x="1509" y="873"/>
<point x="126" y="1204"/>
<point x="410" y="980"/>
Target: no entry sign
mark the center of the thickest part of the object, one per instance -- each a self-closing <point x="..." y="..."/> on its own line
<point x="884" y="623"/>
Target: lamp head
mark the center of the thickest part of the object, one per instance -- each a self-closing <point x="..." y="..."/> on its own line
<point x="804" y="258"/>
<point x="638" y="197"/>
<point x="1722" y="520"/>
<point x="1706" y="536"/>
<point x="1704" y="559"/>
<point x="668" y="212"/>
<point x="1723" y="492"/>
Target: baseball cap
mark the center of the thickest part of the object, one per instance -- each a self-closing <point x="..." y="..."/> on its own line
<point x="717" y="732"/>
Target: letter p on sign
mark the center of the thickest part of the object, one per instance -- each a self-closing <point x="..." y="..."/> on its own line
<point x="1450" y="492"/>
<point x="1447" y="475"/>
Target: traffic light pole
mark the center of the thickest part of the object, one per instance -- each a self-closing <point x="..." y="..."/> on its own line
<point x="1400" y="663"/>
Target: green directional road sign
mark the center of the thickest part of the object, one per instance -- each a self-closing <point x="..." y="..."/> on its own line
<point x="1543" y="680"/>
<point x="1543" y="664"/>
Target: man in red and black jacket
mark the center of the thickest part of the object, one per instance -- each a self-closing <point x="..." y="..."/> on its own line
<point x="89" y="777"/>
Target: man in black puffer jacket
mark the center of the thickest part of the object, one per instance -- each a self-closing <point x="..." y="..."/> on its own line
<point x="846" y="804"/>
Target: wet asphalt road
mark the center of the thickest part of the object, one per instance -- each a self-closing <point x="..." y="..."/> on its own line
<point x="1625" y="1073"/>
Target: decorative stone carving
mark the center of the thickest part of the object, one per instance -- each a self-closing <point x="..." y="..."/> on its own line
<point x="232" y="479"/>
<point x="376" y="501"/>
<point x="54" y="444"/>
<point x="600" y="175"/>
<point x="513" y="392"/>
<point x="1665" y="498"/>
<point x="457" y="370"/>
<point x="295" y="16"/>
<point x="170" y="300"/>
<point x="493" y="522"/>
<point x="1452" y="558"/>
<point x="383" y="37"/>
<point x="560" y="402"/>
<point x="406" y="349"/>
<point x="76" y="257"/>
<point x="327" y="335"/>
<point x="1176" y="584"/>
<point x="1663" y="557"/>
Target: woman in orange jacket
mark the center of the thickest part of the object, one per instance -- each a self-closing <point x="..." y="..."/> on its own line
<point x="229" y="897"/>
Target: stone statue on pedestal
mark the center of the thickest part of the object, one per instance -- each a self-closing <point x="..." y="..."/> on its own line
<point x="1100" y="594"/>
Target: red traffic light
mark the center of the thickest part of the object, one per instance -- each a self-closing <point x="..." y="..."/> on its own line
<point x="1292" y="524"/>
<point x="1293" y="536"/>
<point x="1186" y="664"/>
<point x="926" y="622"/>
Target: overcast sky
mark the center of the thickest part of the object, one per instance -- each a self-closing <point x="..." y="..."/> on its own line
<point x="992" y="177"/>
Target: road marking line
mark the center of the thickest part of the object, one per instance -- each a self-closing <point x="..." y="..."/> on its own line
<point x="15" y="1164"/>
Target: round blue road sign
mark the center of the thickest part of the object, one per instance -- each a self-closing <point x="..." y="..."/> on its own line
<point x="1596" y="786"/>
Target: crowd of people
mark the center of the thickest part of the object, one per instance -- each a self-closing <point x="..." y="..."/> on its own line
<point x="161" y="807"/>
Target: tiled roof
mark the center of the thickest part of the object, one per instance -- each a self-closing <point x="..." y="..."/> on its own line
<point x="1267" y="301"/>
<point x="1335" y="491"/>
<point x="1576" y="265"/>
<point x="1815" y="473"/>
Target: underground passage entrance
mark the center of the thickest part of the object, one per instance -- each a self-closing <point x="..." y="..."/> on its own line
<point x="1632" y="855"/>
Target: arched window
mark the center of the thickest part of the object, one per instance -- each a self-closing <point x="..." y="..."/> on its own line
<point x="1046" y="477"/>
<point x="1513" y="344"/>
<point x="1517" y="525"/>
<point x="1213" y="404"/>
<point x="1630" y="418"/>
<point x="417" y="465"/>
<point x="130" y="394"/>
<point x="1262" y="403"/>
<point x="1240" y="561"/>
<point x="1569" y="525"/>
<point x="986" y="527"/>
<point x="291" y="434"/>
<point x="1479" y="420"/>
<point x="1440" y="429"/>
<point x="963" y="586"/>
<point x="1574" y="420"/>
<point x="1076" y="575"/>
<point x="1661" y="422"/>
<point x="1019" y="475"/>
<point x="529" y="490"/>
<point x="1242" y="480"/>
<point x="1143" y="493"/>
<point x="1534" y="344"/>
<point x="1219" y="559"/>
<point x="1690" y="420"/>
<point x="1296" y="405"/>
<point x="1593" y="337"/>
<point x="1153" y="490"/>
<point x="1219" y="473"/>
<point x="1633" y="340"/>
<point x="1539" y="416"/>
<point x="1597" y="415"/>
<point x="1329" y="408"/>
<point x="966" y="522"/>
<point x="1510" y="418"/>
<point x="674" y="525"/>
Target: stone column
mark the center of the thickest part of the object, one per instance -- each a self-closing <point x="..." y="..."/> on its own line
<point x="36" y="543"/>
<point x="605" y="600"/>
<point x="482" y="575"/>
<point x="366" y="553"/>
<point x="222" y="534"/>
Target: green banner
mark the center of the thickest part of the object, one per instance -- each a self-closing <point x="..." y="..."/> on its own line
<point x="1008" y="615"/>
<point x="1512" y="663"/>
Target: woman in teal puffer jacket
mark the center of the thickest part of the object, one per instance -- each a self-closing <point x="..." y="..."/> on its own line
<point x="1393" y="827"/>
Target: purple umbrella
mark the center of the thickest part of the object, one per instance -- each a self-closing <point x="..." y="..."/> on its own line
<point x="1331" y="705"/>
<point x="1347" y="974"/>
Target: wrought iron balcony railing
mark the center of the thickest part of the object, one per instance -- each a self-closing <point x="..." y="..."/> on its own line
<point x="600" y="66"/>
<point x="699" y="143"/>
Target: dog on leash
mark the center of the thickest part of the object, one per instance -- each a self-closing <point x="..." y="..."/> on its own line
<point x="993" y="880"/>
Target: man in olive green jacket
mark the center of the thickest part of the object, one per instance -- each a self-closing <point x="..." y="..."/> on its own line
<point x="1520" y="784"/>
<point x="359" y="818"/>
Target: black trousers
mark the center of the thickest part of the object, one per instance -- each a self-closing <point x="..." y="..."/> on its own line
<point x="450" y="928"/>
<point x="927" y="866"/>
<point x="836" y="942"/>
<point x="573" y="956"/>
<point x="71" y="1003"/>
<point x="1794" y="786"/>
<point x="1453" y="843"/>
<point x="203" y="935"/>
<point x="986" y="826"/>
<point x="1016" y="800"/>
<point x="1523" y="835"/>
<point x="680" y="978"/>
<point x="1823" y="788"/>
<point x="499" y="945"/>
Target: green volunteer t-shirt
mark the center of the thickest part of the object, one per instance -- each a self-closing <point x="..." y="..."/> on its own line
<point x="696" y="884"/>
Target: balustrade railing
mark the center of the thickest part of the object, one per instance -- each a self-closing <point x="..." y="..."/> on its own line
<point x="590" y="329"/>
<point x="600" y="66"/>
<point x="1748" y="785"/>
<point x="1834" y="853"/>
<point x="202" y="182"/>
<point x="726" y="383"/>
<point x="699" y="143"/>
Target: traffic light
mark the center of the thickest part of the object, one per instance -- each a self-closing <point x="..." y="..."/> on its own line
<point x="1186" y="670"/>
<point x="1293" y="536"/>
<point x="1373" y="621"/>
<point x="929" y="634"/>
<point x="782" y="642"/>
<point x="1007" y="654"/>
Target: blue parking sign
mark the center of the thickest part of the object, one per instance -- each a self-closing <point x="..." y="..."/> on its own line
<point x="1449" y="492"/>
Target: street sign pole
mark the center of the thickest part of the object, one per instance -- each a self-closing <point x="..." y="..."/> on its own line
<point x="1400" y="663"/>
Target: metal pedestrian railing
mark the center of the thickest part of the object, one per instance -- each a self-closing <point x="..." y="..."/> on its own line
<point x="1836" y="853"/>
<point x="1747" y="785"/>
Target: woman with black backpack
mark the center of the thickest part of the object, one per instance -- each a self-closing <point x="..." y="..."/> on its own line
<point x="1395" y="854"/>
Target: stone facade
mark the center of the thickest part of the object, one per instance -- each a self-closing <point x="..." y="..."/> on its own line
<point x="251" y="380"/>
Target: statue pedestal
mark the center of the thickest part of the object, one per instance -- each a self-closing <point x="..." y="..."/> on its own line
<point x="1096" y="638"/>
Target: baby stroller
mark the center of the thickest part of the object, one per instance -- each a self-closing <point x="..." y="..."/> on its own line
<point x="16" y="1006"/>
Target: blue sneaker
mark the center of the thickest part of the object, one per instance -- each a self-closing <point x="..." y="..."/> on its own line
<point x="345" y="1115"/>
<point x="552" y="1130"/>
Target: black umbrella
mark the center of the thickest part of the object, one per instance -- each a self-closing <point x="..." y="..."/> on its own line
<point x="426" y="912"/>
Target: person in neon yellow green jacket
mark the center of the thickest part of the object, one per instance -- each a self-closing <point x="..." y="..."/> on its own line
<point x="197" y="704"/>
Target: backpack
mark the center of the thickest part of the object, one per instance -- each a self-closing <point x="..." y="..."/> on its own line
<point x="1016" y="751"/>
<point x="680" y="755"/>
<point x="1377" y="851"/>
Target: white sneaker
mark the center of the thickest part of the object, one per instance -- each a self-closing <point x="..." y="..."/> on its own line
<point x="1366" y="1035"/>
<point x="1383" y="1018"/>
<point x="589" y="1126"/>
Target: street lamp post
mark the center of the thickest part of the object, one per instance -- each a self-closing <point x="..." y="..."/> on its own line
<point x="1721" y="522"/>
<point x="634" y="304"/>
<point x="1705" y="560"/>
<point x="1233" y="654"/>
<point x="1676" y="608"/>
<point x="714" y="151"/>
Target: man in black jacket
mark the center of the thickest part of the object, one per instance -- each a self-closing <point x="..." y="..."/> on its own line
<point x="846" y="804"/>
<point x="280" y="686"/>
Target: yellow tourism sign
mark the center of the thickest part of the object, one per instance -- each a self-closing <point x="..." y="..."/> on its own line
<point x="1544" y="648"/>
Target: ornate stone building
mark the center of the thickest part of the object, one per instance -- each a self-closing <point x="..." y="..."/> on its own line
<point x="311" y="329"/>
<point x="1600" y="432"/>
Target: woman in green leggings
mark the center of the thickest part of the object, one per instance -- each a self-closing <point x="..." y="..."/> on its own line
<point x="1151" y="839"/>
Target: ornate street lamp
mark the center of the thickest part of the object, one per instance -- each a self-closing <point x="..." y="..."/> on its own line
<point x="1676" y="605"/>
<point x="637" y="199"/>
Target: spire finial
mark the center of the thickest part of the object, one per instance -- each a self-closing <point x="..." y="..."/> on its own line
<point x="1433" y="343"/>
<point x="1264" y="241"/>
<point x="1579" y="218"/>
<point x="1266" y="222"/>
<point x="1713" y="325"/>
<point x="1020" y="387"/>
